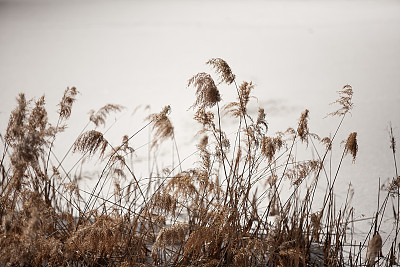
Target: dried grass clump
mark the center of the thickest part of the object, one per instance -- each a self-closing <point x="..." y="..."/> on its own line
<point x="169" y="236"/>
<point x="26" y="240"/>
<point x="205" y="242"/>
<point x="165" y="201"/>
<point x="248" y="199"/>
<point x="26" y="142"/>
<point x="183" y="185"/>
<point x="102" y="239"/>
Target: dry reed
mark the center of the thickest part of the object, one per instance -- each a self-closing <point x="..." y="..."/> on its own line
<point x="225" y="210"/>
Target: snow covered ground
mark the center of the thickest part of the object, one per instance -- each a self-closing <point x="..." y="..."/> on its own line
<point x="298" y="53"/>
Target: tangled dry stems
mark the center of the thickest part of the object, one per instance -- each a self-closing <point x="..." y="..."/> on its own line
<point x="224" y="211"/>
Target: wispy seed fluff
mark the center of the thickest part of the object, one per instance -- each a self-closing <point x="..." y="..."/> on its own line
<point x="162" y="125"/>
<point x="206" y="91"/>
<point x="66" y="102"/>
<point x="261" y="119"/>
<point x="16" y="124"/>
<point x="345" y="100"/>
<point x="223" y="69"/>
<point x="351" y="145"/>
<point x="327" y="142"/>
<point x="240" y="108"/>
<point x="90" y="142"/>
<point x="99" y="117"/>
<point x="269" y="146"/>
<point x="302" y="129"/>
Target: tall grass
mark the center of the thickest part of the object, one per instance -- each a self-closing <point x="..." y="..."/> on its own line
<point x="250" y="199"/>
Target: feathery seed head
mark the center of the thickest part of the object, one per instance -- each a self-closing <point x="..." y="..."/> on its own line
<point x="100" y="116"/>
<point x="269" y="146"/>
<point x="244" y="91"/>
<point x="261" y="119"/>
<point x="66" y="102"/>
<point x="28" y="134"/>
<point x="302" y="129"/>
<point x="204" y="117"/>
<point x="302" y="170"/>
<point x="223" y="69"/>
<point x="165" y="201"/>
<point x="125" y="145"/>
<point x="90" y="142"/>
<point x="162" y="125"/>
<point x="344" y="100"/>
<point x="240" y="108"/>
<point x="38" y="116"/>
<point x="351" y="145"/>
<point x="204" y="153"/>
<point x="327" y="142"/>
<point x="206" y="91"/>
<point x="15" y="128"/>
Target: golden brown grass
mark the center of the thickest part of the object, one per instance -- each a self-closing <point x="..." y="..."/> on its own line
<point x="227" y="210"/>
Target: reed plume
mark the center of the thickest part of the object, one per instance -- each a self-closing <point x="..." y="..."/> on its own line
<point x="162" y="125"/>
<point x="351" y="145"/>
<point x="91" y="142"/>
<point x="240" y="108"/>
<point x="302" y="129"/>
<point x="99" y="117"/>
<point x="223" y="69"/>
<point x="206" y="91"/>
<point x="66" y="102"/>
<point x="345" y="101"/>
<point x="269" y="146"/>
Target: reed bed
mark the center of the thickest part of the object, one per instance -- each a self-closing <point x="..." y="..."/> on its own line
<point x="227" y="210"/>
